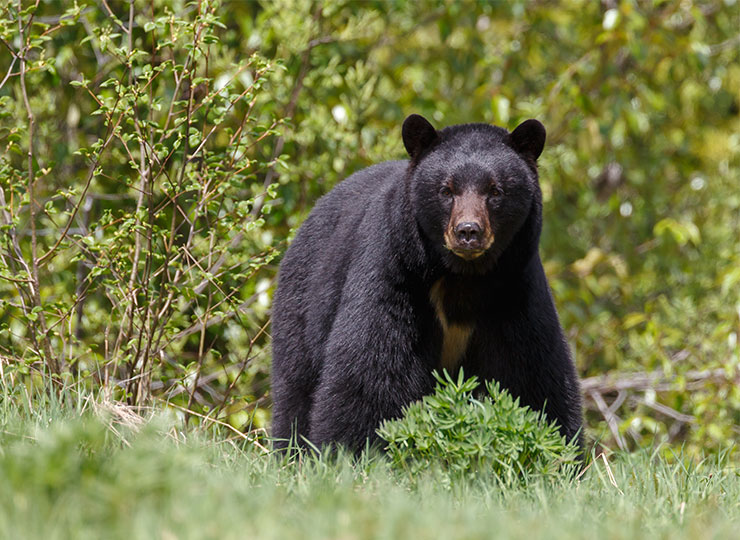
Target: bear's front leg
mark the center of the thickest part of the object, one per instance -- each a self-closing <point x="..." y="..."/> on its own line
<point x="373" y="368"/>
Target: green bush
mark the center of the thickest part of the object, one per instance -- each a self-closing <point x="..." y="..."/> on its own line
<point x="460" y="434"/>
<point x="132" y="257"/>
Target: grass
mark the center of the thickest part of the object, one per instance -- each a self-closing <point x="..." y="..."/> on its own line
<point x="87" y="470"/>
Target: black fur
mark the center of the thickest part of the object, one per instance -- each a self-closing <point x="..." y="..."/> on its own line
<point x="355" y="334"/>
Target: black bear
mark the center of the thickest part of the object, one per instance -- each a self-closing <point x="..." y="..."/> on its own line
<point x="410" y="266"/>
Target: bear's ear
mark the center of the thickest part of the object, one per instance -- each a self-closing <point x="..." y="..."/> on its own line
<point x="528" y="139"/>
<point x="418" y="135"/>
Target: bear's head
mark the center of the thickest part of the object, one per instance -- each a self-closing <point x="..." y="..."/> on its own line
<point x="474" y="188"/>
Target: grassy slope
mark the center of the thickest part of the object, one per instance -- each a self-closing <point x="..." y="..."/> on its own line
<point x="62" y="477"/>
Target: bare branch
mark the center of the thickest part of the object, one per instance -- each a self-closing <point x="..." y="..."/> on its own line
<point x="116" y="19"/>
<point x="612" y="420"/>
<point x="626" y="385"/>
<point x="51" y="360"/>
<point x="10" y="70"/>
<point x="653" y="380"/>
<point x="668" y="411"/>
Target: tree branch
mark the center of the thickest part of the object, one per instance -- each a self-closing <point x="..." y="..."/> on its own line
<point x="653" y="380"/>
<point x="51" y="360"/>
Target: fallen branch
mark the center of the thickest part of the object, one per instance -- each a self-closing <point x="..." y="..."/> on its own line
<point x="625" y="385"/>
<point x="654" y="380"/>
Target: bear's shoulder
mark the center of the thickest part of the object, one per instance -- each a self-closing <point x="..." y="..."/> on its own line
<point x="364" y="185"/>
<point x="341" y="225"/>
<point x="361" y="200"/>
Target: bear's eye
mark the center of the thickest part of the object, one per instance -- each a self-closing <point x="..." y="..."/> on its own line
<point x="495" y="191"/>
<point x="445" y="191"/>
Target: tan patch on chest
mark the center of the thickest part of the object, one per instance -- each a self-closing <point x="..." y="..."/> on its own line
<point x="455" y="337"/>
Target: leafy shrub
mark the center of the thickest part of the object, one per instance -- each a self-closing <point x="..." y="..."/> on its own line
<point x="132" y="257"/>
<point x="461" y="434"/>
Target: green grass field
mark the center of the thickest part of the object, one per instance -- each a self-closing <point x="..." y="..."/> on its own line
<point x="82" y="471"/>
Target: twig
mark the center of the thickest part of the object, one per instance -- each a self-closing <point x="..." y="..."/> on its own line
<point x="668" y="411"/>
<point x="10" y="70"/>
<point x="143" y="174"/>
<point x="201" y="355"/>
<point x="88" y="182"/>
<point x="116" y="19"/>
<point x="220" y="423"/>
<point x="217" y="319"/>
<point x="568" y="73"/>
<point x="242" y="368"/>
<point x="610" y="417"/>
<point x="289" y="111"/>
<point x="35" y="282"/>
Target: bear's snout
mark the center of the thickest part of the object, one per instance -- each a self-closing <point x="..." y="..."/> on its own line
<point x="469" y="234"/>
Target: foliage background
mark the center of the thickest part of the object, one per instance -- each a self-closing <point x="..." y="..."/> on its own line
<point x="640" y="178"/>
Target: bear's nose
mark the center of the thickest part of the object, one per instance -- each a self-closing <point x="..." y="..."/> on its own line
<point x="468" y="234"/>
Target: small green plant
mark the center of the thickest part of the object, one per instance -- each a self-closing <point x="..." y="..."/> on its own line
<point x="461" y="434"/>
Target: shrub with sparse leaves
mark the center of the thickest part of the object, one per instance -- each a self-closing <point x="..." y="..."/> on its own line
<point x="133" y="247"/>
<point x="460" y="433"/>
